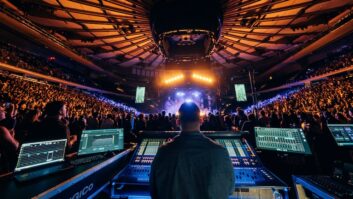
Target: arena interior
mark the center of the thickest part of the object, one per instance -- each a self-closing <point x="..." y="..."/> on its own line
<point x="94" y="95"/>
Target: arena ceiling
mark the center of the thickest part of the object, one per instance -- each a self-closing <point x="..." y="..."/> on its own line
<point x="117" y="32"/>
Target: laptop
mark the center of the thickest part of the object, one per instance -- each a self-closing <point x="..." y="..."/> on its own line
<point x="97" y="144"/>
<point x="37" y="159"/>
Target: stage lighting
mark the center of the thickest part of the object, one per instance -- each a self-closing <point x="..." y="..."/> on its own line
<point x="202" y="78"/>
<point x="174" y="79"/>
<point x="188" y="100"/>
<point x="202" y="113"/>
<point x="196" y="94"/>
<point x="180" y="94"/>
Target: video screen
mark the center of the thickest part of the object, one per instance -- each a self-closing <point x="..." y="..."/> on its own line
<point x="140" y="95"/>
<point x="291" y="140"/>
<point x="101" y="140"/>
<point x="40" y="153"/>
<point x="240" y="92"/>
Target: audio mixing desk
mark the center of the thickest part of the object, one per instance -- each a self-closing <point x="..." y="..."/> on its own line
<point x="287" y="140"/>
<point x="252" y="179"/>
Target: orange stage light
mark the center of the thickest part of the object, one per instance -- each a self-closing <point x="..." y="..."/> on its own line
<point x="174" y="79"/>
<point x="202" y="78"/>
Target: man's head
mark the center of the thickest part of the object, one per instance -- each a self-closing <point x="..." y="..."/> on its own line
<point x="189" y="114"/>
<point x="55" y="109"/>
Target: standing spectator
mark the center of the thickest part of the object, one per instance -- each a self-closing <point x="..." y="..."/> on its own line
<point x="108" y="122"/>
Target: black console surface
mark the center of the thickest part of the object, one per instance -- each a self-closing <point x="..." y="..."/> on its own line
<point x="248" y="169"/>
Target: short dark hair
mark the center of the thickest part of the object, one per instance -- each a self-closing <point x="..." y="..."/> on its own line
<point x="53" y="108"/>
<point x="189" y="112"/>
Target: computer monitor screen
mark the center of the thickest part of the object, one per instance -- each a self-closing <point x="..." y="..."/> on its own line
<point x="101" y="140"/>
<point x="342" y="133"/>
<point x="40" y="153"/>
<point x="140" y="95"/>
<point x="291" y="140"/>
<point x="240" y="92"/>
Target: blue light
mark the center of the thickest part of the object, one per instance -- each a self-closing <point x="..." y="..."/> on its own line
<point x="188" y="100"/>
<point x="180" y="94"/>
<point x="196" y="94"/>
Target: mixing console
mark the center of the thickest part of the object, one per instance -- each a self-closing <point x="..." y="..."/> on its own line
<point x="139" y="169"/>
<point x="248" y="170"/>
<point x="147" y="150"/>
<point x="249" y="176"/>
<point x="282" y="139"/>
<point x="137" y="173"/>
<point x="240" y="152"/>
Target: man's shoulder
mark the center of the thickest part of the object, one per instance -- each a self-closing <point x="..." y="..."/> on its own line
<point x="168" y="144"/>
<point x="201" y="139"/>
<point x="213" y="144"/>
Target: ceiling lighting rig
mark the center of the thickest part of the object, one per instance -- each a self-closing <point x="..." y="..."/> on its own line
<point x="186" y="31"/>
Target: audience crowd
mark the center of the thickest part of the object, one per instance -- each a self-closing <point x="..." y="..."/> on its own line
<point x="334" y="61"/>
<point x="34" y="110"/>
<point x="28" y="107"/>
<point x="26" y="104"/>
<point x="13" y="55"/>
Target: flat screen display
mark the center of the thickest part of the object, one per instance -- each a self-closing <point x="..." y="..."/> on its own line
<point x="35" y="154"/>
<point x="101" y="140"/>
<point x="342" y="133"/>
<point x="291" y="140"/>
<point x="140" y="95"/>
<point x="240" y="92"/>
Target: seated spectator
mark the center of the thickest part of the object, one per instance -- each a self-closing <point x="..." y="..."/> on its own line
<point x="92" y="121"/>
<point x="9" y="121"/>
<point x="8" y="150"/>
<point x="140" y="124"/>
<point x="263" y="119"/>
<point x="28" y="126"/>
<point x="108" y="122"/>
<point x="249" y="126"/>
<point x="54" y="125"/>
<point x="274" y="120"/>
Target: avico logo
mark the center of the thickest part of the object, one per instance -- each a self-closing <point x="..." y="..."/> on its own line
<point x="83" y="192"/>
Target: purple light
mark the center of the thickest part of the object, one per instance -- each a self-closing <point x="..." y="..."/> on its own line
<point x="180" y="94"/>
<point x="196" y="94"/>
<point x="188" y="100"/>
